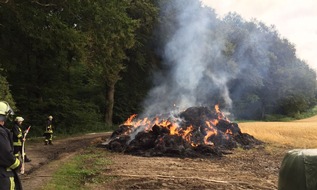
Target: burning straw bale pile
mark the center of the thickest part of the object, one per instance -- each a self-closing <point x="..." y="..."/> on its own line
<point x="195" y="132"/>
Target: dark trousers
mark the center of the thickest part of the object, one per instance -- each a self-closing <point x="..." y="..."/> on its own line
<point x="17" y="150"/>
<point x="48" y="138"/>
<point x="6" y="182"/>
<point x="9" y="180"/>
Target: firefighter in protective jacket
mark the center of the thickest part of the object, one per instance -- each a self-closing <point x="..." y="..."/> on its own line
<point x="9" y="164"/>
<point x="18" y="138"/>
<point x="48" y="134"/>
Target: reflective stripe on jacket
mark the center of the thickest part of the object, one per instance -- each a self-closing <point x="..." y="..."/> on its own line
<point x="49" y="127"/>
<point x="17" y="135"/>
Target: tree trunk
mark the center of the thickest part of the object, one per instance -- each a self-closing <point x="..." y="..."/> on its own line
<point x="109" y="104"/>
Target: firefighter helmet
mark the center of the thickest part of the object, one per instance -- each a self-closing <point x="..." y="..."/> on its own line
<point x="50" y="117"/>
<point x="19" y="119"/>
<point x="5" y="110"/>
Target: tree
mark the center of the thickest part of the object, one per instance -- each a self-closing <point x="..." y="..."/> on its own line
<point x="269" y="73"/>
<point x="142" y="60"/>
<point x="42" y="50"/>
<point x="110" y="33"/>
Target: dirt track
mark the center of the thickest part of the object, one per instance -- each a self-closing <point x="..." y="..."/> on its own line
<point x="252" y="169"/>
<point x="47" y="158"/>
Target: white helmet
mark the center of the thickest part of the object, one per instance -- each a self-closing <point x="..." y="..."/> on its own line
<point x="5" y="110"/>
<point x="19" y="119"/>
<point x="50" y="117"/>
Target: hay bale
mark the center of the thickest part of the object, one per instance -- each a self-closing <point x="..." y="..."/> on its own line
<point x="299" y="170"/>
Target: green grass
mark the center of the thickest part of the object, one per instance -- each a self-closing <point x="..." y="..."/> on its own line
<point x="84" y="168"/>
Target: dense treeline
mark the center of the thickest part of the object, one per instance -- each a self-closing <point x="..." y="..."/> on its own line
<point x="65" y="58"/>
<point x="89" y="63"/>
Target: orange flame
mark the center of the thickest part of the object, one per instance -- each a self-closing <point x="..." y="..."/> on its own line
<point x="188" y="130"/>
<point x="173" y="129"/>
<point x="217" y="108"/>
<point x="187" y="133"/>
<point x="228" y="131"/>
<point x="129" y="120"/>
<point x="210" y="132"/>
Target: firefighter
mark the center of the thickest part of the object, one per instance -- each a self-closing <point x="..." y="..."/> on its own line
<point x="9" y="164"/>
<point x="18" y="137"/>
<point x="49" y="131"/>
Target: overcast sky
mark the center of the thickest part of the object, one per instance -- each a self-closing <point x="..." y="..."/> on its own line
<point x="295" y="20"/>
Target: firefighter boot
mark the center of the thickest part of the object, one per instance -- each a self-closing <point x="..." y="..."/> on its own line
<point x="26" y="159"/>
<point x="46" y="142"/>
<point x="50" y="142"/>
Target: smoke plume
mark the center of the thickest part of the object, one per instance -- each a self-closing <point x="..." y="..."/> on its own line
<point x="189" y="54"/>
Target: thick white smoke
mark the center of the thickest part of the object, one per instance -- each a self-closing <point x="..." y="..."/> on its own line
<point x="189" y="54"/>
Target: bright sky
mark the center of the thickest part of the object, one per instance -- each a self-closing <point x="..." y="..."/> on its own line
<point x="295" y="20"/>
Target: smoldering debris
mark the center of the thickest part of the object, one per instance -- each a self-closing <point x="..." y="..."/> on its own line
<point x="197" y="132"/>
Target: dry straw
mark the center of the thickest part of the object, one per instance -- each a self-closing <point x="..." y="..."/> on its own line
<point x="296" y="134"/>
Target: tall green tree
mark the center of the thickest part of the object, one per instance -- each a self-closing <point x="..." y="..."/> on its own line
<point x="110" y="33"/>
<point x="142" y="60"/>
<point x="42" y="50"/>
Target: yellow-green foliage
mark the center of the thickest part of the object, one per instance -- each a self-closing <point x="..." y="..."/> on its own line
<point x="296" y="134"/>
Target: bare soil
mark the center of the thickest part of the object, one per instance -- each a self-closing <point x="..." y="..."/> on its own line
<point x="46" y="159"/>
<point x="253" y="169"/>
<point x="256" y="168"/>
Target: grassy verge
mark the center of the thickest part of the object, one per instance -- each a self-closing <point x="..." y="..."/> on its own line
<point x="83" y="170"/>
